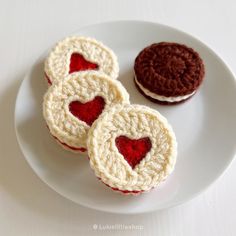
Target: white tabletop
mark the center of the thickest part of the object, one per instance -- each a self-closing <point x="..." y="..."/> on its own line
<point x="28" y="206"/>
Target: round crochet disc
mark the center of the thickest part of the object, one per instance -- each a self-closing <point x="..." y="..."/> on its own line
<point x="168" y="72"/>
<point x="74" y="54"/>
<point x="132" y="148"/>
<point x="72" y="105"/>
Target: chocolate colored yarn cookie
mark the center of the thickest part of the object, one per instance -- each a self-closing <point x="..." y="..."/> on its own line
<point x="168" y="72"/>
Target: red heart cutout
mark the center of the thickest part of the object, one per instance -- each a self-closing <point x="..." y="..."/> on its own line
<point x="79" y="63"/>
<point x="89" y="111"/>
<point x="133" y="150"/>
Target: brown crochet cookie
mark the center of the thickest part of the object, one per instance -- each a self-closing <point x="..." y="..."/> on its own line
<point x="168" y="73"/>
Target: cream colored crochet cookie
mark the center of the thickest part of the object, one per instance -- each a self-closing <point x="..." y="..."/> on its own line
<point x="132" y="148"/>
<point x="75" y="54"/>
<point x="74" y="103"/>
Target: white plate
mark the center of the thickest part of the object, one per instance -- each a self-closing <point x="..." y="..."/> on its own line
<point x="205" y="126"/>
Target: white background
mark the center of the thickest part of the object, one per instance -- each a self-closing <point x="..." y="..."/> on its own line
<point x="28" y="206"/>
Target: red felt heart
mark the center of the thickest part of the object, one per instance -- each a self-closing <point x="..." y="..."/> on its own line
<point x="79" y="63"/>
<point x="89" y="111"/>
<point x="133" y="150"/>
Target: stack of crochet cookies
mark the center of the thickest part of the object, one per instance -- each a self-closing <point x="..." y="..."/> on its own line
<point x="131" y="148"/>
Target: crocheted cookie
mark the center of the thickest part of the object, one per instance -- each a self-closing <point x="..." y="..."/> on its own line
<point x="74" y="103"/>
<point x="75" y="54"/>
<point x="168" y="73"/>
<point x="132" y="148"/>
